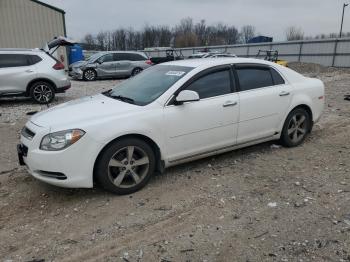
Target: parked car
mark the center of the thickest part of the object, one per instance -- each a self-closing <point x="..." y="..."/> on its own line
<point x="210" y="55"/>
<point x="170" y="55"/>
<point x="33" y="73"/>
<point x="109" y="65"/>
<point x="170" y="114"/>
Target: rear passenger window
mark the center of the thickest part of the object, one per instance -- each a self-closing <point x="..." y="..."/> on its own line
<point x="136" y="57"/>
<point x="129" y="57"/>
<point x="123" y="57"/>
<point x="277" y="78"/>
<point x="213" y="84"/>
<point x="34" y="59"/>
<point x="252" y="78"/>
<point x="14" y="60"/>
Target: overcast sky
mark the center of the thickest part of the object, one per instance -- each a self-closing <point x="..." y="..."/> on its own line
<point x="270" y="17"/>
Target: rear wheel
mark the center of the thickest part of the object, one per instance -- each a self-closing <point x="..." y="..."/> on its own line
<point x="125" y="166"/>
<point x="89" y="75"/>
<point x="42" y="92"/>
<point x="136" y="71"/>
<point x="296" y="127"/>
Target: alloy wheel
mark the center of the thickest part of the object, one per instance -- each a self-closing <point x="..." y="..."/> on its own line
<point x="128" y="167"/>
<point x="136" y="71"/>
<point x="42" y="93"/>
<point x="297" y="127"/>
<point x="89" y="75"/>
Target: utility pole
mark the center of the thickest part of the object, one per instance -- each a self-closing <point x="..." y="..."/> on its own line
<point x="342" y="20"/>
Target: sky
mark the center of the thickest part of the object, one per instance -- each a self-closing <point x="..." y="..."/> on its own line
<point x="270" y="17"/>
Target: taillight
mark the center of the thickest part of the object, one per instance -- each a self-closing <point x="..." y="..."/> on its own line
<point x="149" y="62"/>
<point x="58" y="66"/>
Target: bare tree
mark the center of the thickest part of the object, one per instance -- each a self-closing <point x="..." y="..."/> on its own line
<point x="294" y="33"/>
<point x="185" y="34"/>
<point x="89" y="41"/>
<point x="247" y="33"/>
<point x="101" y="40"/>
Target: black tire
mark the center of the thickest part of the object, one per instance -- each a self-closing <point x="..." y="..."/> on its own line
<point x="42" y="92"/>
<point x="294" y="124"/>
<point x="136" y="71"/>
<point x="117" y="152"/>
<point x="89" y="74"/>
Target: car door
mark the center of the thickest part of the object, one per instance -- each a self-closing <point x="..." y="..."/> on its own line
<point x="205" y="125"/>
<point x="16" y="71"/>
<point x="106" y="65"/>
<point x="264" y="99"/>
<point x="123" y="66"/>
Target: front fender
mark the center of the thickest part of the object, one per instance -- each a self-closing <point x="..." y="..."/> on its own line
<point x="149" y="127"/>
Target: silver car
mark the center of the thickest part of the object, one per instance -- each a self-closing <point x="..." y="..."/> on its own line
<point x="109" y="65"/>
<point x="32" y="73"/>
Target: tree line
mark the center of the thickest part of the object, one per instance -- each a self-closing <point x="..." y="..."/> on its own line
<point x="185" y="34"/>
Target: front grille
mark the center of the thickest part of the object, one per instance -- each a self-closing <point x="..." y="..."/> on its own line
<point x="27" y="133"/>
<point x="56" y="175"/>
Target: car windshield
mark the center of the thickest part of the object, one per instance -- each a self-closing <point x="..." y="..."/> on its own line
<point x="94" y="57"/>
<point x="148" y="85"/>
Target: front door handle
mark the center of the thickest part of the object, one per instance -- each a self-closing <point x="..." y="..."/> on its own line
<point x="284" y="93"/>
<point x="229" y="103"/>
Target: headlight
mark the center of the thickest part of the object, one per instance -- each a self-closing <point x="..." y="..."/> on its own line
<point x="60" y="140"/>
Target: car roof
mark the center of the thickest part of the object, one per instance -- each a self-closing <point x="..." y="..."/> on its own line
<point x="209" y="62"/>
<point x="127" y="52"/>
<point x="20" y="50"/>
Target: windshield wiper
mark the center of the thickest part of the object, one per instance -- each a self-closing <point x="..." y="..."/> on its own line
<point x="123" y="98"/>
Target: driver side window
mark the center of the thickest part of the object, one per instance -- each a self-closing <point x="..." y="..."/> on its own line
<point x="213" y="84"/>
<point x="106" y="58"/>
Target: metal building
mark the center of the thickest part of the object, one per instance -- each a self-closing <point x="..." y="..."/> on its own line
<point x="30" y="24"/>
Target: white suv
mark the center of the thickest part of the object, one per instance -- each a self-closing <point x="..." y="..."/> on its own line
<point x="33" y="73"/>
<point x="169" y="114"/>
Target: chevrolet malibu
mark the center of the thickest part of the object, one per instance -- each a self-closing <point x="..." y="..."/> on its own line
<point x="169" y="114"/>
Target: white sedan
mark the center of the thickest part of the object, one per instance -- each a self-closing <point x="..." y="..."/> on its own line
<point x="169" y="114"/>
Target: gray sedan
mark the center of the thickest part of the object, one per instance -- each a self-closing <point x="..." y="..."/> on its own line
<point x="109" y="65"/>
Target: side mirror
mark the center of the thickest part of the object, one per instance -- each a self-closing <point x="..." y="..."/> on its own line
<point x="186" y="96"/>
<point x="99" y="61"/>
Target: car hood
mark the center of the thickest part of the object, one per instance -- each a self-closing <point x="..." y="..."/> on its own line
<point x="75" y="113"/>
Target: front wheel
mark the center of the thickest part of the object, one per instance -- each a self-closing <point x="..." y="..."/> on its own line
<point x="125" y="166"/>
<point x="89" y="75"/>
<point x="296" y="127"/>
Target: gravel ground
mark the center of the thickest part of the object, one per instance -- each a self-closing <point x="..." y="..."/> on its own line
<point x="262" y="203"/>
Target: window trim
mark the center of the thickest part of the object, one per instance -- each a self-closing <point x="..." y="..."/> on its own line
<point x="256" y="66"/>
<point x="201" y="74"/>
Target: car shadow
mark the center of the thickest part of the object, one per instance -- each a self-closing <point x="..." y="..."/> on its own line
<point x="217" y="161"/>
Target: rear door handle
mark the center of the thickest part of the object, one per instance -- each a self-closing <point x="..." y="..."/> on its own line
<point x="229" y="103"/>
<point x="29" y="71"/>
<point x="284" y="93"/>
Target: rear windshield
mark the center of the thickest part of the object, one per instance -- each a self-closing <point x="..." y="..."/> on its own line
<point x="148" y="85"/>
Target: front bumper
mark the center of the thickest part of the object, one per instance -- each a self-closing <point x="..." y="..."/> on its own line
<point x="71" y="167"/>
<point x="75" y="73"/>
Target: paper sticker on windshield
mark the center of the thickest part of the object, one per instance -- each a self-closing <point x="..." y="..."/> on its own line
<point x="175" y="73"/>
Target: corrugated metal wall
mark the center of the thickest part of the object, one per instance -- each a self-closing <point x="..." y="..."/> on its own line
<point x="329" y="52"/>
<point x="27" y="24"/>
